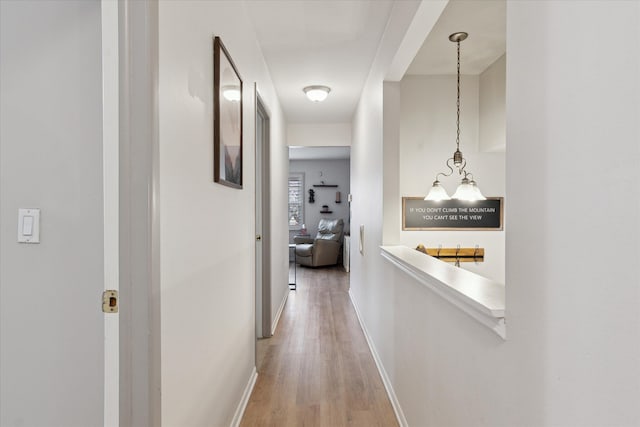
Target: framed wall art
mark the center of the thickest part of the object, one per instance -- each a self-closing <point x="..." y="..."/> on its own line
<point x="227" y="118"/>
<point x="480" y="215"/>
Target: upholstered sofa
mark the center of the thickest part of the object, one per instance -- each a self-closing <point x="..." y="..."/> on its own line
<point x="325" y="249"/>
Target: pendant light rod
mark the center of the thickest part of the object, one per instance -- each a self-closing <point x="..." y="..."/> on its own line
<point x="458" y="38"/>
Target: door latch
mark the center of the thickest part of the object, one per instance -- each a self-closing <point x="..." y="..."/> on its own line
<point x="110" y="301"/>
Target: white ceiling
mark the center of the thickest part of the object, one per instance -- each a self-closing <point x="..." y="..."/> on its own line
<point x="334" y="42"/>
<point x="319" y="153"/>
<point x="484" y="20"/>
<point x="319" y="42"/>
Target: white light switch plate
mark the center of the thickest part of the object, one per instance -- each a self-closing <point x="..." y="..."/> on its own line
<point x="28" y="225"/>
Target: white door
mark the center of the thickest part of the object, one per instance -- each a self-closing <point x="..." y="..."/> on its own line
<point x="51" y="158"/>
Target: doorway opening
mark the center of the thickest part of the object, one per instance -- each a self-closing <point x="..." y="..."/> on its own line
<point x="319" y="202"/>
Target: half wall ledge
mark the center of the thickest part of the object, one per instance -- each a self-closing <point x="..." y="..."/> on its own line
<point x="481" y="298"/>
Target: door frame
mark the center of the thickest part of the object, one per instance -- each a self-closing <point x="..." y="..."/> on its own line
<point x="111" y="183"/>
<point x="263" y="212"/>
<point x="139" y="225"/>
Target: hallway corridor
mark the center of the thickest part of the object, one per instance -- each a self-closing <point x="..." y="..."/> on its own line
<point x="317" y="369"/>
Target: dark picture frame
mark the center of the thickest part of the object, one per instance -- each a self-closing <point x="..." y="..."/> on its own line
<point x="227" y="118"/>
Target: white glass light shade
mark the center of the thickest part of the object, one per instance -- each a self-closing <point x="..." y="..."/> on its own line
<point x="231" y="93"/>
<point x="437" y="193"/>
<point x="476" y="191"/>
<point x="464" y="191"/>
<point x="468" y="191"/>
<point x="317" y="93"/>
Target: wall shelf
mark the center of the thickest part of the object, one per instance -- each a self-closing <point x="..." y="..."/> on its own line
<point x="326" y="211"/>
<point x="325" y="185"/>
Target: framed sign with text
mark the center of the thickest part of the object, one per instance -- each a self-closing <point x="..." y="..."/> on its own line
<point x="419" y="214"/>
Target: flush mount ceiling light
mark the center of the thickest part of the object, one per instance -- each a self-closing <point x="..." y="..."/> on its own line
<point x="317" y="93"/>
<point x="231" y="93"/>
<point x="467" y="190"/>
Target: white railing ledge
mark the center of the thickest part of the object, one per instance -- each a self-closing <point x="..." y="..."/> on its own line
<point x="481" y="298"/>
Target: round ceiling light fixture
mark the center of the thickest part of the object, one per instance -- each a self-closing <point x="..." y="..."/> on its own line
<point x="317" y="93"/>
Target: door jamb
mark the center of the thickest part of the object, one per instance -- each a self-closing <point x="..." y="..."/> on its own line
<point x="265" y="182"/>
<point x="139" y="261"/>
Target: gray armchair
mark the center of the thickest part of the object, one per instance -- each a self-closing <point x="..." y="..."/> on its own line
<point x="325" y="248"/>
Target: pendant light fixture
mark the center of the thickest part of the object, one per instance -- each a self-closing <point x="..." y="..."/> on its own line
<point x="468" y="189"/>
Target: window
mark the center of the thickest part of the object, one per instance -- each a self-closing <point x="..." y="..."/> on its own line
<point x="296" y="201"/>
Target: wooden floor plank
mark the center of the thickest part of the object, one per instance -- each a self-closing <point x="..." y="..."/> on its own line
<point x="317" y="370"/>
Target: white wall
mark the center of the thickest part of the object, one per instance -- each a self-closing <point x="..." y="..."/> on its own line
<point x="573" y="90"/>
<point x="368" y="286"/>
<point x="427" y="140"/>
<point x="51" y="322"/>
<point x="207" y="230"/>
<point x="333" y="172"/>
<point x="573" y="327"/>
<point x="493" y="136"/>
<point x="319" y="134"/>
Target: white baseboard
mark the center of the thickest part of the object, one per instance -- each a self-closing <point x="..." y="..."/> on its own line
<point x="237" y="417"/>
<point x="274" y="325"/>
<point x="383" y="374"/>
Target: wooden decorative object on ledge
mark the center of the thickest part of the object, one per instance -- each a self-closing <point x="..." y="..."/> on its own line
<point x="454" y="254"/>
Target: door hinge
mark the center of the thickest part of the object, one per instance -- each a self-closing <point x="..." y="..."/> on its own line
<point x="110" y="301"/>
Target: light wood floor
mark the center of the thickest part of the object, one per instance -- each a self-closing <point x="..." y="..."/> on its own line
<point x="317" y="369"/>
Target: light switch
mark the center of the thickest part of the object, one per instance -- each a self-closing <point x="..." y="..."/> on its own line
<point x="29" y="225"/>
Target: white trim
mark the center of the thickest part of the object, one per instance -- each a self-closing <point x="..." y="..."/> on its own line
<point x="274" y="325"/>
<point x="479" y="297"/>
<point x="237" y="417"/>
<point x="139" y="228"/>
<point x="383" y="374"/>
<point x="111" y="183"/>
